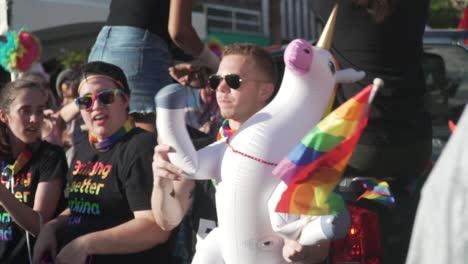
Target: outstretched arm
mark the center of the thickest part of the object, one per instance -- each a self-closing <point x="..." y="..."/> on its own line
<point x="184" y="35"/>
<point x="306" y="238"/>
<point x="295" y="252"/>
<point x="172" y="193"/>
<point x="47" y="241"/>
<point x="180" y="27"/>
<point x="138" y="234"/>
<point x="45" y="203"/>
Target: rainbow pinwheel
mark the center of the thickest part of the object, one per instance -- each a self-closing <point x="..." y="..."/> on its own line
<point x="20" y="51"/>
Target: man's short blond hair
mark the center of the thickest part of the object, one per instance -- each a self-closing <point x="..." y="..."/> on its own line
<point x="262" y="58"/>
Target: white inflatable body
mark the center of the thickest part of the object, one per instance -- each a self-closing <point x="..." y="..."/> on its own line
<point x="245" y="185"/>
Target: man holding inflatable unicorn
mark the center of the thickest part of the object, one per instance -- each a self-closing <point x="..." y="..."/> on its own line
<point x="245" y="83"/>
<point x="265" y="135"/>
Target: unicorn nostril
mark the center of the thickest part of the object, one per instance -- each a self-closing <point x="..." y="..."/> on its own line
<point x="298" y="56"/>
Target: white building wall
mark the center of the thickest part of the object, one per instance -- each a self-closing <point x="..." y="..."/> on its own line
<point x="43" y="14"/>
<point x="66" y="25"/>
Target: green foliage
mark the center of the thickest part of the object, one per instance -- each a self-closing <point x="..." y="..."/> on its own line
<point x="197" y="5"/>
<point x="73" y="59"/>
<point x="445" y="13"/>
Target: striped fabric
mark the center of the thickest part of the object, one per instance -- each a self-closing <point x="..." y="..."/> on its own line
<point x="315" y="166"/>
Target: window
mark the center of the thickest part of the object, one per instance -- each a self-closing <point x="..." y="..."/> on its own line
<point x="446" y="73"/>
<point x="230" y="19"/>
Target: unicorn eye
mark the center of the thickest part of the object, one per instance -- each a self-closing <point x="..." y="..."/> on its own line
<point x="307" y="51"/>
<point x="331" y="65"/>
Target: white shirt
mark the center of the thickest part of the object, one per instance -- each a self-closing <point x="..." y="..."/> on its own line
<point x="440" y="233"/>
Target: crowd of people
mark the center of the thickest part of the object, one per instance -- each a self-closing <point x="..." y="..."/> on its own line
<point x="116" y="197"/>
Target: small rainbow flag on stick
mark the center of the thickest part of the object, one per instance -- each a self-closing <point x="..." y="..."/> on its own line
<point x="314" y="167"/>
<point x="377" y="190"/>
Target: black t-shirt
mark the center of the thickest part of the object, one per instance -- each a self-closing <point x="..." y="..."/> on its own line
<point x="48" y="162"/>
<point x="203" y="216"/>
<point x="391" y="50"/>
<point x="106" y="187"/>
<point x="152" y="15"/>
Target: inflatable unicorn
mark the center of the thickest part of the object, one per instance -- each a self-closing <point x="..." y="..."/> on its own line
<point x="245" y="185"/>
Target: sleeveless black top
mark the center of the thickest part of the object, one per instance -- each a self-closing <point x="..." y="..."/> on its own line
<point x="391" y="50"/>
<point x="152" y="15"/>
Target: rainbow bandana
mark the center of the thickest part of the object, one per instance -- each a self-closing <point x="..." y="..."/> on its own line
<point x="225" y="131"/>
<point x="315" y="166"/>
<point x="107" y="143"/>
<point x="11" y="170"/>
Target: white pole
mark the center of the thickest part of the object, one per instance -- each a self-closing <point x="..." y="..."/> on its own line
<point x="4" y="23"/>
<point x="3" y="17"/>
<point x="266" y="17"/>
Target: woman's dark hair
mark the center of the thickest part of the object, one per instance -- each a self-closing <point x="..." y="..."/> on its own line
<point x="7" y="97"/>
<point x="262" y="59"/>
<point x="379" y="9"/>
<point x="106" y="69"/>
<point x="70" y="76"/>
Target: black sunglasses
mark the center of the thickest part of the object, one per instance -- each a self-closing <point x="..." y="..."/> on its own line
<point x="105" y="97"/>
<point x="233" y="80"/>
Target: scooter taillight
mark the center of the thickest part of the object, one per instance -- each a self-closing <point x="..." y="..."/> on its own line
<point x="362" y="244"/>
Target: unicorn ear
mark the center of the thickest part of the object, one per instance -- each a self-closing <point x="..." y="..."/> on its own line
<point x="349" y="76"/>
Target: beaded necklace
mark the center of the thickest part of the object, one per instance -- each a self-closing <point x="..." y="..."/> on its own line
<point x="226" y="132"/>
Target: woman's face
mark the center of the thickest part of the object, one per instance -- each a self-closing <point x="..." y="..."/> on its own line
<point x="103" y="120"/>
<point x="68" y="88"/>
<point x="206" y="95"/>
<point x="25" y="115"/>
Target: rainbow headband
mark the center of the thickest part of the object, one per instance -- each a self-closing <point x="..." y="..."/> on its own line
<point x="86" y="79"/>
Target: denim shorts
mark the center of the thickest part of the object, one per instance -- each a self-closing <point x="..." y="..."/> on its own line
<point x="143" y="56"/>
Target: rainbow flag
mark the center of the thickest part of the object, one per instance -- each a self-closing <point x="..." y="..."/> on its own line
<point x="377" y="190"/>
<point x="315" y="166"/>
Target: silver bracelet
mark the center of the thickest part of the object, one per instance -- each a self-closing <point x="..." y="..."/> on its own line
<point x="41" y="219"/>
<point x="208" y="58"/>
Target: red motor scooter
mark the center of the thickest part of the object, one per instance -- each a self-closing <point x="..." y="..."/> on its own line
<point x="375" y="224"/>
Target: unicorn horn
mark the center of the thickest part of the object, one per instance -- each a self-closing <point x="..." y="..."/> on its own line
<point x="327" y="33"/>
